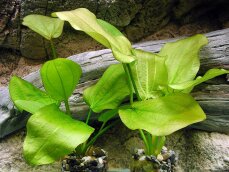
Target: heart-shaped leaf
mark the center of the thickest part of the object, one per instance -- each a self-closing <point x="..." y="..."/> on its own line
<point x="162" y="116"/>
<point x="103" y="32"/>
<point x="27" y="97"/>
<point x="187" y="86"/>
<point x="109" y="91"/>
<point x="47" y="27"/>
<point x="60" y="77"/>
<point x="182" y="58"/>
<point x="52" y="134"/>
<point x="150" y="74"/>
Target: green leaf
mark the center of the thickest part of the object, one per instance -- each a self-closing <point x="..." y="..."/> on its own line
<point x="187" y="86"/>
<point x="27" y="97"/>
<point x="182" y="59"/>
<point x="164" y="115"/>
<point x="60" y="77"/>
<point x="47" y="27"/>
<point x="103" y="32"/>
<point x="109" y="91"/>
<point x="52" y="134"/>
<point x="106" y="116"/>
<point x="150" y="74"/>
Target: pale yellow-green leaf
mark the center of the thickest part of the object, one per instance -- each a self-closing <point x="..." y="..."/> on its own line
<point x="182" y="58"/>
<point x="162" y="116"/>
<point x="103" y="32"/>
<point x="150" y="74"/>
<point x="47" y="27"/>
<point x="187" y="86"/>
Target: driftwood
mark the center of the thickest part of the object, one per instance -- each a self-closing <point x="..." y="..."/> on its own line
<point x="212" y="96"/>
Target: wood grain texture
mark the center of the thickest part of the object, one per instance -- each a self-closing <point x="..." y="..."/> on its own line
<point x="213" y="96"/>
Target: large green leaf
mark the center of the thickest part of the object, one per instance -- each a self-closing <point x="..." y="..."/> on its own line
<point x="150" y="74"/>
<point x="51" y="134"/>
<point x="182" y="59"/>
<point x="162" y="116"/>
<point x="109" y="91"/>
<point x="47" y="27"/>
<point x="103" y="32"/>
<point x="60" y="77"/>
<point x="27" y="97"/>
<point x="187" y="86"/>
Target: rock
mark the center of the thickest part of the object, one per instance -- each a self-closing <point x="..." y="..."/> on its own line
<point x="10" y="24"/>
<point x="160" y="157"/>
<point x="201" y="151"/>
<point x="11" y="159"/>
<point x="136" y="18"/>
<point x="29" y="39"/>
<point x="153" y="15"/>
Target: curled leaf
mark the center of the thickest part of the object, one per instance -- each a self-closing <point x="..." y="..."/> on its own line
<point x="103" y="32"/>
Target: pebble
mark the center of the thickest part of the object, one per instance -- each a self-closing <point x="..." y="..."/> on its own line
<point x="67" y="167"/>
<point x="99" y="152"/>
<point x="160" y="157"/>
<point x="166" y="156"/>
<point x="142" y="158"/>
<point x="172" y="157"/>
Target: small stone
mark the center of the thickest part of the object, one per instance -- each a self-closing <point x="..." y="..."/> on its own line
<point x="100" y="163"/>
<point x="153" y="159"/>
<point x="67" y="167"/>
<point x="166" y="156"/>
<point x="164" y="148"/>
<point x="97" y="152"/>
<point x="142" y="158"/>
<point x="160" y="157"/>
<point x="64" y="162"/>
<point x="139" y="152"/>
<point x="172" y="157"/>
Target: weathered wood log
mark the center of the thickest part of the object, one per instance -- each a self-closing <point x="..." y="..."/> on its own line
<point x="213" y="96"/>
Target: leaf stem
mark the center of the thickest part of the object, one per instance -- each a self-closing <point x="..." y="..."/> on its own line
<point x="103" y="125"/>
<point x="88" y="115"/>
<point x="54" y="54"/>
<point x="92" y="141"/>
<point x="133" y="82"/>
<point x="145" y="141"/>
<point x="150" y="142"/>
<point x="129" y="82"/>
<point x="67" y="107"/>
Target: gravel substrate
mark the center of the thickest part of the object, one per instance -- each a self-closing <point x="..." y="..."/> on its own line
<point x="94" y="161"/>
<point x="164" y="162"/>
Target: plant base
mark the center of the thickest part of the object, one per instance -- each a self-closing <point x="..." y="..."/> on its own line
<point x="164" y="162"/>
<point x="94" y="161"/>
